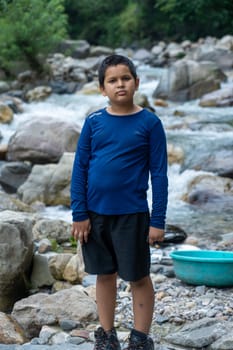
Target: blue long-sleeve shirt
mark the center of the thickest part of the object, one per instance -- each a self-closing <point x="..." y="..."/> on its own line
<point x="114" y="157"/>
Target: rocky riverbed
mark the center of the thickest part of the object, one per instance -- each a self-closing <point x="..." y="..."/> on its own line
<point x="185" y="316"/>
<point x="46" y="300"/>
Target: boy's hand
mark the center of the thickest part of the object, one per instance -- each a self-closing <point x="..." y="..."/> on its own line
<point x="80" y="230"/>
<point x="155" y="235"/>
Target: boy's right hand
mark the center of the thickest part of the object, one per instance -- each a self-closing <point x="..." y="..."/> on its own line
<point x="80" y="230"/>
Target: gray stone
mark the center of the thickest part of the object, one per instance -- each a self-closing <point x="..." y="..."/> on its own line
<point x="16" y="251"/>
<point x="43" y="141"/>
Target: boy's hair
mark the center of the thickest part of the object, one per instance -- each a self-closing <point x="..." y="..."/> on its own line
<point x="114" y="60"/>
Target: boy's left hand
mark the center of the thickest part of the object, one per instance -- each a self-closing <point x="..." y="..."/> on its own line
<point x="155" y="235"/>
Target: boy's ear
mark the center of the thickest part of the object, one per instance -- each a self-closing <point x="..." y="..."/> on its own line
<point x="137" y="83"/>
<point x="101" y="88"/>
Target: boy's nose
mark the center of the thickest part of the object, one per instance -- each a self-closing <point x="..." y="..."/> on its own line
<point x="120" y="82"/>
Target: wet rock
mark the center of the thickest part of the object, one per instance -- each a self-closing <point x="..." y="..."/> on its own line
<point x="6" y="114"/>
<point x="43" y="141"/>
<point x="187" y="80"/>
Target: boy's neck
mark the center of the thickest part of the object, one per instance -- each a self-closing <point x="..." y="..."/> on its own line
<point x="123" y="110"/>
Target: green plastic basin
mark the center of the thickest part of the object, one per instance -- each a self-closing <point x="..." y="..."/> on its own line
<point x="204" y="267"/>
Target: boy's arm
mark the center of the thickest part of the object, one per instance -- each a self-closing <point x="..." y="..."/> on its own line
<point x="80" y="174"/>
<point x="159" y="182"/>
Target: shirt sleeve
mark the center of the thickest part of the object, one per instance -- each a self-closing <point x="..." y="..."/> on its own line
<point x="158" y="173"/>
<point x="80" y="174"/>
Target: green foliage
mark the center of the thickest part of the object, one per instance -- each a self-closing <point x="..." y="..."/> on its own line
<point x="73" y="242"/>
<point x="30" y="28"/>
<point x="92" y="19"/>
<point x="128" y="22"/>
<point x="199" y="18"/>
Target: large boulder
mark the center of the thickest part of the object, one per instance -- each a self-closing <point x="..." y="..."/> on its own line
<point x="43" y="141"/>
<point x="42" y="309"/>
<point x="16" y="251"/>
<point x="188" y="80"/>
<point x="211" y="191"/>
<point x="49" y="184"/>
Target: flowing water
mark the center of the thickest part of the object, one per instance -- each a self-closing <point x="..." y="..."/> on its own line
<point x="195" y="129"/>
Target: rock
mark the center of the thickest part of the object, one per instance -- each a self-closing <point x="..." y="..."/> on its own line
<point x="49" y="184"/>
<point x="174" y="50"/>
<point x="218" y="98"/>
<point x="4" y="87"/>
<point x="74" y="48"/>
<point x="8" y="202"/>
<point x="44" y="246"/>
<point x="188" y="80"/>
<point x="14" y="103"/>
<point x="16" y="251"/>
<point x="39" y="93"/>
<point x="89" y="88"/>
<point x="57" y="265"/>
<point x="43" y="141"/>
<point x="13" y="175"/>
<point x="175" y="154"/>
<point x="3" y="151"/>
<point x="199" y="334"/>
<point x="26" y="77"/>
<point x="57" y="230"/>
<point x="101" y="51"/>
<point x="6" y="114"/>
<point x="10" y="331"/>
<point x="41" y="275"/>
<point x="42" y="309"/>
<point x="212" y="190"/>
<point x="72" y="272"/>
<point x="142" y="55"/>
<point x="222" y="57"/>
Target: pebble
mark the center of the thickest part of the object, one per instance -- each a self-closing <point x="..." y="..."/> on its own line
<point x="179" y="308"/>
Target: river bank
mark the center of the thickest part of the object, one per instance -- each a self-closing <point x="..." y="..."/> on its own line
<point x="40" y="139"/>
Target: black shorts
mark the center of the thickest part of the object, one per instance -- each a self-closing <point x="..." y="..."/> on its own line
<point x="118" y="243"/>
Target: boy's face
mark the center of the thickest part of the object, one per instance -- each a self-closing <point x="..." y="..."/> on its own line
<point x="119" y="84"/>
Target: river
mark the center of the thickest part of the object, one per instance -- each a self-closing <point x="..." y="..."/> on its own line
<point x="208" y="129"/>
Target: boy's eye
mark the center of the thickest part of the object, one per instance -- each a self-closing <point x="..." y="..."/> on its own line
<point x="126" y="78"/>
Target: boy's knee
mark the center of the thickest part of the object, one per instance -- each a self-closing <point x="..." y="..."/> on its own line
<point x="106" y="278"/>
<point x="141" y="283"/>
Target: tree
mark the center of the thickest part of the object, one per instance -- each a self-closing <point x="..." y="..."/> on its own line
<point x="94" y="20"/>
<point x="197" y="18"/>
<point x="29" y="29"/>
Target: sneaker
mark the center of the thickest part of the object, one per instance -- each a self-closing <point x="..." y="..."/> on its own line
<point x="106" y="340"/>
<point x="135" y="343"/>
<point x="112" y="340"/>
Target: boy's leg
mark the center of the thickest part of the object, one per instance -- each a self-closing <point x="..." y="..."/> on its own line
<point x="143" y="304"/>
<point x="106" y="299"/>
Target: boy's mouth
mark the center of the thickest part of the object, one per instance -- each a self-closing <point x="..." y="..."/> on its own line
<point x="121" y="93"/>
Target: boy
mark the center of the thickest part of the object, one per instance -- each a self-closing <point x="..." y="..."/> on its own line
<point x="118" y="147"/>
